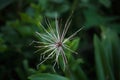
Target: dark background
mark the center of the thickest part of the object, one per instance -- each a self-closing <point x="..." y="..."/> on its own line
<point x="99" y="46"/>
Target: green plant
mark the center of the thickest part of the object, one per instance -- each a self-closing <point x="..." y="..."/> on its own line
<point x="97" y="44"/>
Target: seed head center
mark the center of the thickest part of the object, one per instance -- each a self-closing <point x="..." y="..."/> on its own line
<point x="58" y="44"/>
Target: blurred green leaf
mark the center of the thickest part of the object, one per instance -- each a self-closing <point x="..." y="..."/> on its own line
<point x="46" y="76"/>
<point x="26" y="18"/>
<point x="3" y="47"/>
<point x="106" y="3"/>
<point x="105" y="56"/>
<point x="51" y="14"/>
<point x="111" y="45"/>
<point x="57" y="1"/>
<point x="115" y="27"/>
<point x="43" y="3"/>
<point x="63" y="8"/>
<point x="98" y="58"/>
<point x="74" y="44"/>
<point x="25" y="31"/>
<point x="93" y="18"/>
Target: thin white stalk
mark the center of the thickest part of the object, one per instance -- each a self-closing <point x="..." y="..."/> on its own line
<point x="39" y="50"/>
<point x="46" y="31"/>
<point x="50" y="45"/>
<point x="46" y="58"/>
<point x="50" y="28"/>
<point x="56" y="59"/>
<point x="38" y="42"/>
<point x="52" y="56"/>
<point x="66" y="47"/>
<point x="60" y="31"/>
<point x="68" y="25"/>
<point x="57" y="30"/>
<point x="64" y="58"/>
<point x="54" y="66"/>
<point x="50" y="38"/>
<point x="72" y="35"/>
<point x="44" y="37"/>
<point x="43" y="47"/>
<point x="40" y="57"/>
<point x="57" y="55"/>
<point x="48" y="50"/>
<point x="43" y="56"/>
<point x="63" y="33"/>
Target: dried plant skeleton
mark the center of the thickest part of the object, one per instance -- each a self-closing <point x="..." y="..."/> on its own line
<point x="54" y="41"/>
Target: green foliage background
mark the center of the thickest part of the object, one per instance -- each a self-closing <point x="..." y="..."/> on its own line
<point x="98" y="44"/>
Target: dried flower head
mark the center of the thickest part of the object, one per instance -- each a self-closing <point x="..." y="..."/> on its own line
<point x="54" y="41"/>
